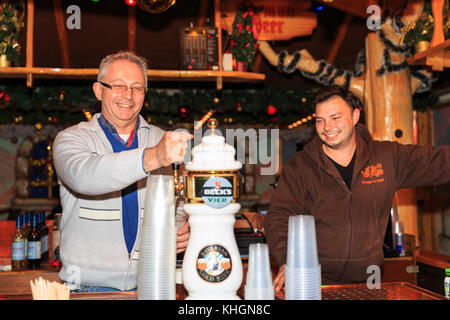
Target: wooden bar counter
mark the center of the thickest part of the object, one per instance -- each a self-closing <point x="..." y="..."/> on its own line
<point x="15" y="286"/>
<point x="388" y="291"/>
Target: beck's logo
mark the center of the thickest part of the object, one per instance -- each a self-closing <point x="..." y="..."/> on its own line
<point x="217" y="192"/>
<point x="373" y="174"/>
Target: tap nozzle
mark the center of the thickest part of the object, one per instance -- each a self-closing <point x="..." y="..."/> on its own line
<point x="178" y="184"/>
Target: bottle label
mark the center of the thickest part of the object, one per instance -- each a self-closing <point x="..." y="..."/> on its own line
<point x="447" y="287"/>
<point x="34" y="250"/>
<point x="18" y="250"/>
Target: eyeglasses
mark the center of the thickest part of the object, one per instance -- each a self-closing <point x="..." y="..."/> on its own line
<point x="121" y="88"/>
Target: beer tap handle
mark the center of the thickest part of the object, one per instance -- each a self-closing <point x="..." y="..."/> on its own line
<point x="177" y="181"/>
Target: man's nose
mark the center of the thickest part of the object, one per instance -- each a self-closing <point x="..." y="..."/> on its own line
<point x="128" y="94"/>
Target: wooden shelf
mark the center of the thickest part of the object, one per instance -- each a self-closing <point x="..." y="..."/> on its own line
<point x="438" y="57"/>
<point x="153" y="75"/>
<point x="30" y="72"/>
<point x="204" y="75"/>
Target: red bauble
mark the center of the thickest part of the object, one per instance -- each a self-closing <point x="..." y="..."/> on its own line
<point x="183" y="111"/>
<point x="271" y="110"/>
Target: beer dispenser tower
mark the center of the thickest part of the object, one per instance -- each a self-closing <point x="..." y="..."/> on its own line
<point x="212" y="267"/>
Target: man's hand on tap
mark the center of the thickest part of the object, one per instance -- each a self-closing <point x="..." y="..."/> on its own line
<point x="171" y="148"/>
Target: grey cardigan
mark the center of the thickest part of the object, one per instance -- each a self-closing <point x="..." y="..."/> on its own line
<point x="91" y="176"/>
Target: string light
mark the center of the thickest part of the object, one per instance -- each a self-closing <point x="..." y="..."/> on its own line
<point x="87" y="114"/>
<point x="301" y="121"/>
<point x="130" y="2"/>
<point x="204" y="119"/>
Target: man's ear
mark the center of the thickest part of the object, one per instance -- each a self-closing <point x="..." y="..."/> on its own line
<point x="355" y="115"/>
<point x="98" y="90"/>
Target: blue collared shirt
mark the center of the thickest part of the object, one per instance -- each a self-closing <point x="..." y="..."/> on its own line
<point x="105" y="123"/>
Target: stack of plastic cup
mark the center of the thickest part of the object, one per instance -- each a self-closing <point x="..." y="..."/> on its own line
<point x="258" y="284"/>
<point x="157" y="258"/>
<point x="302" y="274"/>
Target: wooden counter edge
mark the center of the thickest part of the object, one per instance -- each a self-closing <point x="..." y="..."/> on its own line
<point x="432" y="258"/>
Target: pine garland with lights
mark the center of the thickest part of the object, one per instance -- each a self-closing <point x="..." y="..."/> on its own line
<point x="11" y="23"/>
<point x="42" y="108"/>
<point x="422" y="29"/>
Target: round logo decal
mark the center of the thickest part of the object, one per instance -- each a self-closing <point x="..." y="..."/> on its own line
<point x="214" y="263"/>
<point x="217" y="192"/>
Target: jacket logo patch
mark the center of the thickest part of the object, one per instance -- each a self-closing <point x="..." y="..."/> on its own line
<point x="373" y="174"/>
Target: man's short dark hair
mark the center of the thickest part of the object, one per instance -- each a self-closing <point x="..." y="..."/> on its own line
<point x="327" y="93"/>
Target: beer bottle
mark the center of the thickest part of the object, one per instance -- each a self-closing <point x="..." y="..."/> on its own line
<point x="34" y="245"/>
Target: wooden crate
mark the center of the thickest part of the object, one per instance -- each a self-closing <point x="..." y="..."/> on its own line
<point x="17" y="283"/>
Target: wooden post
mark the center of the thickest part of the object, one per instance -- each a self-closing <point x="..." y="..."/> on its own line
<point x="437" y="58"/>
<point x="61" y="28"/>
<point x="218" y="24"/>
<point x="428" y="213"/>
<point x="29" y="49"/>
<point x="340" y="37"/>
<point x="202" y="12"/>
<point x="438" y="33"/>
<point x="132" y="28"/>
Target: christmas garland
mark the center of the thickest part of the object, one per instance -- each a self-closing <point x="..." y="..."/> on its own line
<point x="326" y="73"/>
<point x="68" y="105"/>
<point x="11" y="23"/>
<point x="45" y="110"/>
<point x="422" y="29"/>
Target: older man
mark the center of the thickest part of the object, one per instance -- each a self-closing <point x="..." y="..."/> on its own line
<point x="102" y="167"/>
<point x="347" y="182"/>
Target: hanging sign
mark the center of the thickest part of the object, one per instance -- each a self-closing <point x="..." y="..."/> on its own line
<point x="277" y="20"/>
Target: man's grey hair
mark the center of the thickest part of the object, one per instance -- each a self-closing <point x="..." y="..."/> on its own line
<point x="121" y="55"/>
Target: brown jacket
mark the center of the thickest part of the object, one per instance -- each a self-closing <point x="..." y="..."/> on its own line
<point x="350" y="224"/>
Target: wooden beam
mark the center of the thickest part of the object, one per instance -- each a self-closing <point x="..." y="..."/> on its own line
<point x="258" y="60"/>
<point x="438" y="31"/>
<point x="218" y="23"/>
<point x="153" y="74"/>
<point x="29" y="49"/>
<point x="203" y="10"/>
<point x="132" y="28"/>
<point x="340" y="37"/>
<point x="61" y="28"/>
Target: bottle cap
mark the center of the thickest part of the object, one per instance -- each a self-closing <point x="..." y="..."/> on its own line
<point x="447" y="271"/>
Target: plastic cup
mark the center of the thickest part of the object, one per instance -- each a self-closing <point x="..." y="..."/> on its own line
<point x="302" y="243"/>
<point x="259" y="293"/>
<point x="259" y="274"/>
<point x="157" y="247"/>
<point x="303" y="283"/>
<point x="159" y="211"/>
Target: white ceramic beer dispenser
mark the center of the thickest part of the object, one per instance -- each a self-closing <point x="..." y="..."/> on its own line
<point x="212" y="267"/>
